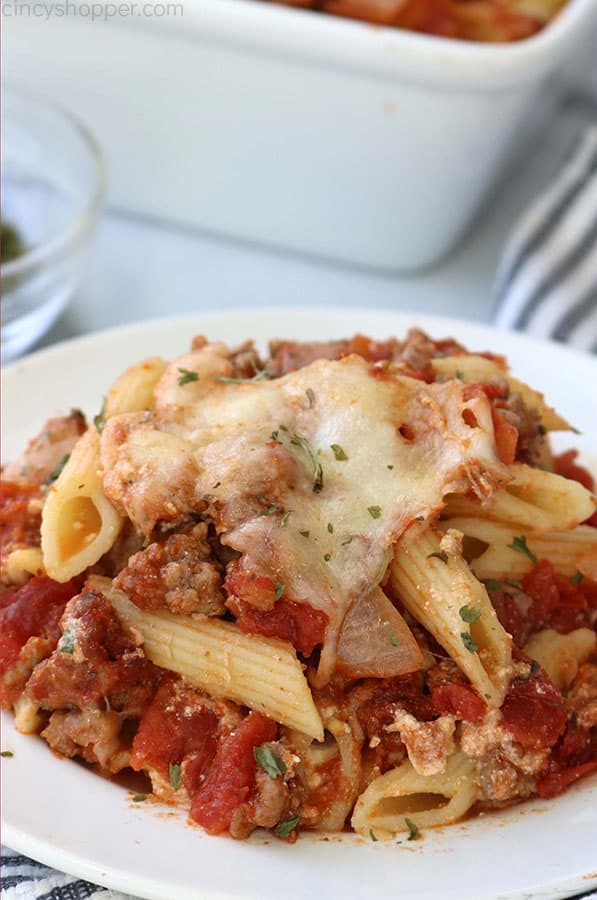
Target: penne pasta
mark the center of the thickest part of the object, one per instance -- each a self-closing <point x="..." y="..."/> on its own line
<point x="493" y="549"/>
<point x="258" y="672"/>
<point x="133" y="390"/>
<point x="79" y="524"/>
<point x="561" y="654"/>
<point x="401" y="798"/>
<point x="471" y="368"/>
<point x="533" y="499"/>
<point x="22" y="563"/>
<point x="437" y="587"/>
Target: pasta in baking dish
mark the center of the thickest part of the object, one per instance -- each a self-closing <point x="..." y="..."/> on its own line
<point x="488" y="21"/>
<point x="346" y="584"/>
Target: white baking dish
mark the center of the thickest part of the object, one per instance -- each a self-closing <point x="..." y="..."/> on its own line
<point x="328" y="136"/>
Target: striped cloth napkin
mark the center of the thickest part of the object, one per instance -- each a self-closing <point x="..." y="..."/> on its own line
<point x="546" y="284"/>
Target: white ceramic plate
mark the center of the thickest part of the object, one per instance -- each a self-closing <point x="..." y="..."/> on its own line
<point x="69" y="818"/>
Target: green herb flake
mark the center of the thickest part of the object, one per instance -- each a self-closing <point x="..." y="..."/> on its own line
<point x="413" y="830"/>
<point x="310" y="397"/>
<point x="576" y="578"/>
<point x="271" y="511"/>
<point x="347" y="541"/>
<point x="469" y="613"/>
<point x="339" y="453"/>
<point x="269" y="761"/>
<point x="542" y="430"/>
<point x="392" y="641"/>
<point x="440" y="554"/>
<point x="175" y="776"/>
<point x="6" y="754"/>
<point x="468" y="642"/>
<point x="305" y="534"/>
<point x="520" y="545"/>
<point x="372" y="835"/>
<point x="100" y="420"/>
<point x="327" y="557"/>
<point x="491" y="584"/>
<point x="139" y="798"/>
<point x="67" y="643"/>
<point x="186" y="376"/>
<point x="374" y="511"/>
<point x="330" y="528"/>
<point x="25" y="470"/>
<point x="57" y="470"/>
<point x="390" y="466"/>
<point x="283" y="829"/>
<point x="280" y="590"/>
<point x="459" y="375"/>
<point x="285" y="518"/>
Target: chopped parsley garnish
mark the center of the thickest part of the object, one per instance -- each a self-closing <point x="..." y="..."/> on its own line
<point x="513" y="583"/>
<point x="6" y="754"/>
<point x="186" y="376"/>
<point x="310" y="397"/>
<point x="542" y="429"/>
<point x="57" y="470"/>
<point x="25" y="470"/>
<point x="175" y="776"/>
<point x="372" y="835"/>
<point x="392" y="641"/>
<point x="413" y="830"/>
<point x="269" y="761"/>
<point x="99" y="421"/>
<point x="468" y="642"/>
<point x="374" y="511"/>
<point x="469" y="613"/>
<point x="330" y="528"/>
<point x="283" y="829"/>
<point x="305" y="534"/>
<point x="339" y="453"/>
<point x="491" y="584"/>
<point x="520" y="545"/>
<point x="459" y="375"/>
<point x="439" y="554"/>
<point x="327" y="556"/>
<point x="280" y="590"/>
<point x="271" y="511"/>
<point x="285" y="518"/>
<point x="390" y="466"/>
<point x="576" y="578"/>
<point x="67" y="643"/>
<point x="139" y="798"/>
<point x="347" y="541"/>
<point x="261" y="375"/>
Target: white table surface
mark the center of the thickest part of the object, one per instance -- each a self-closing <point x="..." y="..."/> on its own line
<point x="142" y="268"/>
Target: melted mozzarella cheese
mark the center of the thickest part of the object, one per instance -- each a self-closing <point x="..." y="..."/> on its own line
<point x="314" y="476"/>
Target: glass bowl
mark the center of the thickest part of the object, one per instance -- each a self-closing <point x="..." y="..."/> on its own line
<point x="53" y="185"/>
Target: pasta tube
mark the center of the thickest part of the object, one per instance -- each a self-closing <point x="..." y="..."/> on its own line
<point x="262" y="673"/>
<point x="439" y="590"/>
<point x="402" y="794"/>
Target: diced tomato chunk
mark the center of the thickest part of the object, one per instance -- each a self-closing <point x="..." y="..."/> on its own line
<point x="257" y="590"/>
<point x="19" y="519"/>
<point x="565" y="464"/>
<point x="534" y="712"/>
<point x="459" y="700"/>
<point x="557" y="782"/>
<point x="558" y="602"/>
<point x="33" y="611"/>
<point x="298" y="623"/>
<point x="231" y="778"/>
<point x="176" y="726"/>
<point x="506" y="437"/>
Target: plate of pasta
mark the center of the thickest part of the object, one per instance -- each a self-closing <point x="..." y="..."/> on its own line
<point x="315" y="591"/>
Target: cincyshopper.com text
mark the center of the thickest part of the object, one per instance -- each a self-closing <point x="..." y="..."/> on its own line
<point x="94" y="12"/>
